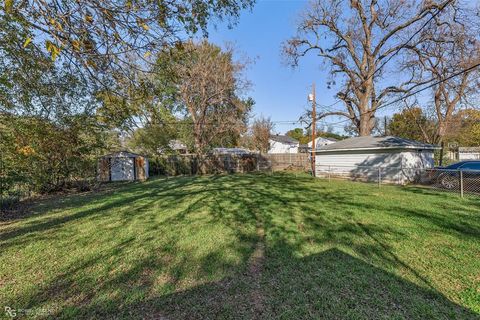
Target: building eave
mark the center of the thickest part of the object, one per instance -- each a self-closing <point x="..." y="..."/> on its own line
<point x="380" y="148"/>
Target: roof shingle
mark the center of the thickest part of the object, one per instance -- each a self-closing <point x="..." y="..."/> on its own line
<point x="370" y="142"/>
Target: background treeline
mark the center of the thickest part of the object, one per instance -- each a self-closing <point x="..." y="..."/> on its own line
<point x="79" y="79"/>
<point x="110" y="76"/>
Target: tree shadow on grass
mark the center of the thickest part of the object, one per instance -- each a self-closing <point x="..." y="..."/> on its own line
<point x="101" y="204"/>
<point x="36" y="207"/>
<point x="328" y="283"/>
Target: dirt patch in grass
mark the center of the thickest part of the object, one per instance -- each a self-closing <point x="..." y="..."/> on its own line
<point x="255" y="269"/>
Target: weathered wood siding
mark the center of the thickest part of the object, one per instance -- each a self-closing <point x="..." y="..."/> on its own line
<point x="103" y="170"/>
<point x="141" y="168"/>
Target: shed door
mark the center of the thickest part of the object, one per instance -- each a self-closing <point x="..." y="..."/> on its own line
<point x="140" y="168"/>
<point x="122" y="169"/>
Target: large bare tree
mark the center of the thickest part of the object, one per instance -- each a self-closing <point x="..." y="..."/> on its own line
<point x="448" y="55"/>
<point x="357" y="38"/>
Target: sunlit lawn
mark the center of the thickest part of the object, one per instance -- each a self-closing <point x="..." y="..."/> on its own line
<point x="245" y="246"/>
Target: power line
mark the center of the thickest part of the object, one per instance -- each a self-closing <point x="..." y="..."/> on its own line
<point x="396" y="51"/>
<point x="417" y="91"/>
<point x="183" y="122"/>
<point x="343" y="121"/>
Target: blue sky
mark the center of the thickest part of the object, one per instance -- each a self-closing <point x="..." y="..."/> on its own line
<point x="280" y="92"/>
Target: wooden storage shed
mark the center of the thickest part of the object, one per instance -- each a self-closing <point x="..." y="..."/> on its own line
<point x="122" y="166"/>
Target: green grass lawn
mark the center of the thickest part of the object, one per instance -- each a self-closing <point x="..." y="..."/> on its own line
<point x="245" y="246"/>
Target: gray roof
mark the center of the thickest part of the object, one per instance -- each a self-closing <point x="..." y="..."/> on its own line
<point x="331" y="139"/>
<point x="371" y="143"/>
<point x="469" y="149"/>
<point x="283" y="139"/>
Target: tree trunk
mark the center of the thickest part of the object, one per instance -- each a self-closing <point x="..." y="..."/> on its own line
<point x="365" y="126"/>
<point x="366" y="97"/>
<point x="441" y="131"/>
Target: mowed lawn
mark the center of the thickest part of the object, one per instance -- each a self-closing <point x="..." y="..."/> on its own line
<point x="246" y="247"/>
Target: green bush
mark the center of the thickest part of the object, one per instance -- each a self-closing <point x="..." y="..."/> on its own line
<point x="39" y="156"/>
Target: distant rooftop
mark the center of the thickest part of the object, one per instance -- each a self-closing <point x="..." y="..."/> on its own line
<point x="237" y="151"/>
<point x="370" y="142"/>
<point x="283" y="139"/>
<point x="469" y="149"/>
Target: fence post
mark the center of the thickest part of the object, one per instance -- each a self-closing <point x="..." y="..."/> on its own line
<point x="379" y="177"/>
<point x="329" y="173"/>
<point x="461" y="183"/>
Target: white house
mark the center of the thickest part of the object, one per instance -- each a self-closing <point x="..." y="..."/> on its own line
<point x="465" y="153"/>
<point x="396" y="159"/>
<point x="320" y="142"/>
<point x="282" y="144"/>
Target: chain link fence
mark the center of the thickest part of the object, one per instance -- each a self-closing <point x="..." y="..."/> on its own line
<point x="462" y="182"/>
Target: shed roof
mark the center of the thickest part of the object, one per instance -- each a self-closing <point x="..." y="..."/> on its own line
<point x="375" y="143"/>
<point x="122" y="154"/>
<point x="283" y="139"/>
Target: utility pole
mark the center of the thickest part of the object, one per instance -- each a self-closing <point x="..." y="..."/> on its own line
<point x="442" y="145"/>
<point x="314" y="116"/>
<point x="385" y="126"/>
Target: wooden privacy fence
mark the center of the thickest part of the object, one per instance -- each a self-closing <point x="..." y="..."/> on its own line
<point x="286" y="161"/>
<point x="214" y="164"/>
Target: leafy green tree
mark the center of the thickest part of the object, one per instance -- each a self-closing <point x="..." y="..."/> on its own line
<point x="154" y="138"/>
<point x="31" y="84"/>
<point x="322" y="132"/>
<point x="101" y="37"/>
<point x="412" y="124"/>
<point x="296" y="133"/>
<point x="40" y="155"/>
<point x="50" y="137"/>
<point x="464" y="128"/>
<point x="209" y="92"/>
